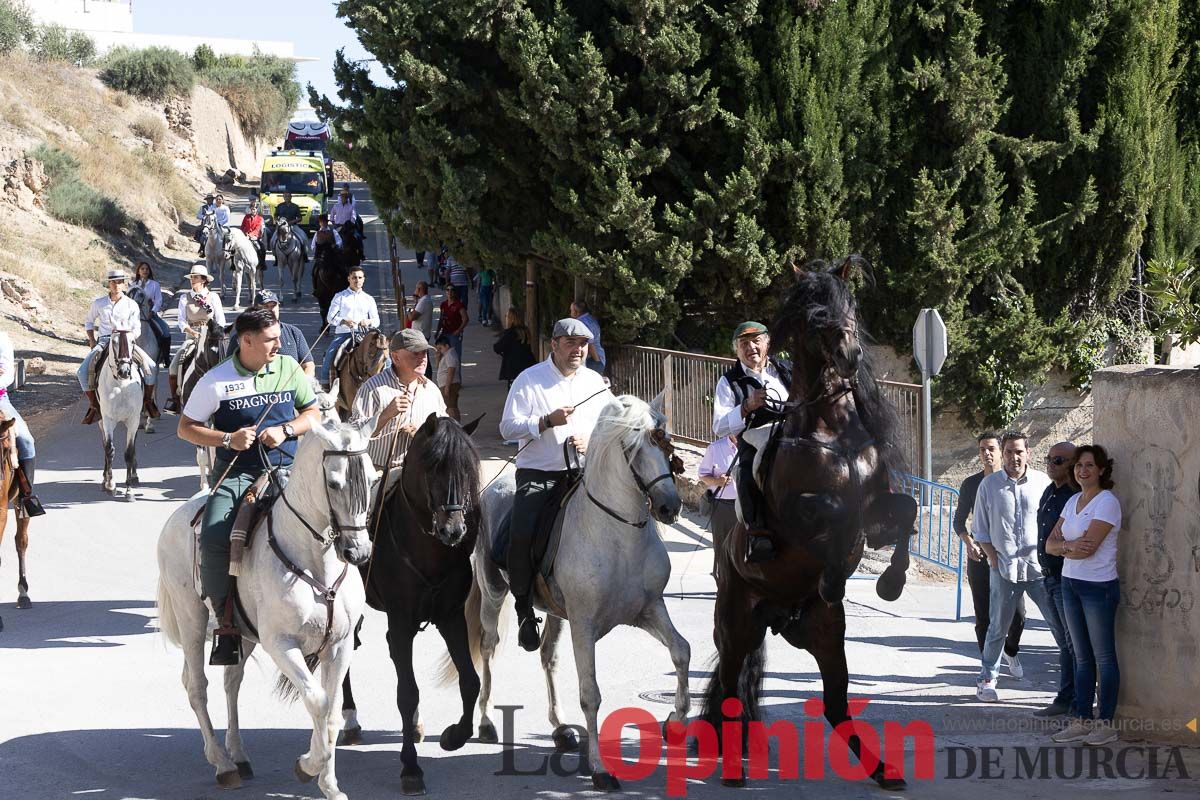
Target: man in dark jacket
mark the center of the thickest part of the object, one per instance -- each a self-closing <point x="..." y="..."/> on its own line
<point x="743" y="399"/>
<point x="1054" y="499"/>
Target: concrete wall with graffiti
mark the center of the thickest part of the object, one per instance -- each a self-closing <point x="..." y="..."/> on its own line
<point x="1149" y="419"/>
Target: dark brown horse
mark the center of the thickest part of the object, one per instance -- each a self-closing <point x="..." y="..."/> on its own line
<point x="330" y="270"/>
<point x="9" y="491"/>
<point x="366" y="355"/>
<point x="825" y="470"/>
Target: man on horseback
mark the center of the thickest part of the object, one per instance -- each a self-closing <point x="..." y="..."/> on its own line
<point x="288" y="210"/>
<point x="214" y="205"/>
<point x="352" y="310"/>
<point x="292" y="341"/>
<point x="402" y="397"/>
<point x="195" y="308"/>
<point x="742" y="400"/>
<point x="26" y="448"/>
<point x="552" y="407"/>
<point x="113" y="312"/>
<point x="252" y="226"/>
<point x="259" y="403"/>
<point x="344" y="211"/>
<point x="323" y="225"/>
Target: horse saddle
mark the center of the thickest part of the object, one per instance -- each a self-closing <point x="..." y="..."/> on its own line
<point x="547" y="536"/>
<point x="344" y="350"/>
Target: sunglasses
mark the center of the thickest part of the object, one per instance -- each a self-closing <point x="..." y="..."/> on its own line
<point x="1057" y="461"/>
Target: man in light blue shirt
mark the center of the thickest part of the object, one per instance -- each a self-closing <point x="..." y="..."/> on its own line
<point x="595" y="357"/>
<point x="1006" y="528"/>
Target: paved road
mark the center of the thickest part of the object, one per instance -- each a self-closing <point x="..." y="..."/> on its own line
<point x="91" y="704"/>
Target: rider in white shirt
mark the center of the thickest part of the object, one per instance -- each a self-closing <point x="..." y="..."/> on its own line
<point x="352" y="310"/>
<point x="344" y="210"/>
<point x="195" y="308"/>
<point x="323" y="223"/>
<point x="112" y="312"/>
<point x="26" y="447"/>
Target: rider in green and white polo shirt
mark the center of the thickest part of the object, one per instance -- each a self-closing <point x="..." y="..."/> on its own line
<point x="254" y="397"/>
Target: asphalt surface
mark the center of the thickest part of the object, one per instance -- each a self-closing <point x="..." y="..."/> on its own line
<point x="91" y="703"/>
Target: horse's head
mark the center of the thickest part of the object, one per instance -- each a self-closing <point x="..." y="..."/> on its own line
<point x="210" y="346"/>
<point x="348" y="476"/>
<point x="441" y="474"/>
<point x="819" y="319"/>
<point x="283" y="229"/>
<point x="633" y="434"/>
<point x="370" y="352"/>
<point x="120" y="354"/>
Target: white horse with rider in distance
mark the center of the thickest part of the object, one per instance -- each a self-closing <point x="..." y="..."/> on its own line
<point x="290" y="248"/>
<point x="242" y="258"/>
<point x="315" y="535"/>
<point x="119" y="389"/>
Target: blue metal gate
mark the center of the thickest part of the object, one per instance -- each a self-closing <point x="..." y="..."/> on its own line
<point x="935" y="540"/>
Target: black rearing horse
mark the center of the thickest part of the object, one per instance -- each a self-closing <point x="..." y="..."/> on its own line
<point x="825" y="471"/>
<point x="420" y="573"/>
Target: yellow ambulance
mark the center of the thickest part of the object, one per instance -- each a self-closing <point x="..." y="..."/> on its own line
<point x="300" y="172"/>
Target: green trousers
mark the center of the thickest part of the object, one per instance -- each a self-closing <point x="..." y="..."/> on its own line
<point x="217" y="525"/>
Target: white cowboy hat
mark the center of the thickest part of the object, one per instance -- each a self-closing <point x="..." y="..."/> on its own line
<point x="201" y="270"/>
<point x="116" y="275"/>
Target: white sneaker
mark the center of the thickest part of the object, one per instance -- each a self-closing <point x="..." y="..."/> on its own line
<point x="1077" y="731"/>
<point x="1014" y="665"/>
<point x="1103" y="732"/>
<point x="986" y="691"/>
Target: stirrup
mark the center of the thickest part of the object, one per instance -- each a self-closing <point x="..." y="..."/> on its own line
<point x="29" y="506"/>
<point x="226" y="648"/>
<point x="528" y="635"/>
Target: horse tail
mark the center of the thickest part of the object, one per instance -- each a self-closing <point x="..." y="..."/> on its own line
<point x="168" y="625"/>
<point x="447" y="673"/>
<point x="285" y="690"/>
<point x="748" y="690"/>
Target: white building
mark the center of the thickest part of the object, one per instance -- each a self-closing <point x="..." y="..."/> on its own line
<point x="110" y="24"/>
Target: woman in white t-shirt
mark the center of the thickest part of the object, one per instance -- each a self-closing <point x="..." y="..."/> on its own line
<point x="1086" y="536"/>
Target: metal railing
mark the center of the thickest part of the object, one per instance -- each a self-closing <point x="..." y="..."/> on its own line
<point x="935" y="540"/>
<point x="692" y="379"/>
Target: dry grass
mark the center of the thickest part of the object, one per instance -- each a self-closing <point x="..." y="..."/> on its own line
<point x="150" y="126"/>
<point x="64" y="263"/>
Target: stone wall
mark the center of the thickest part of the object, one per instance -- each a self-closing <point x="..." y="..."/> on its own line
<point x="1146" y="417"/>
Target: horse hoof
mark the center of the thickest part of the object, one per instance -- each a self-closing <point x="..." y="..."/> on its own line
<point x="451" y="739"/>
<point x="229" y="780"/>
<point x="831" y="590"/>
<point x="412" y="784"/>
<point x="565" y="740"/>
<point x="348" y="737"/>
<point x="129" y="497"/>
<point x="890" y="584"/>
<point x="734" y="783"/>
<point x="487" y="733"/>
<point x="244" y="769"/>
<point x="604" y="782"/>
<point x="301" y="775"/>
<point x="24" y="602"/>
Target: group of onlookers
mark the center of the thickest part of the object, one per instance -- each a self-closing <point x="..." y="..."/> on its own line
<point x="1052" y="536"/>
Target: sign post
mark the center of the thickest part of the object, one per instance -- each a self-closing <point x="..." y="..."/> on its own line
<point x="929" y="350"/>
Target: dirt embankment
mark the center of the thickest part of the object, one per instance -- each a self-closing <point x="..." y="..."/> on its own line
<point x="154" y="160"/>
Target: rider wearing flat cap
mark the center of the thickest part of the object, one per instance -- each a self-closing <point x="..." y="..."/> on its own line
<point x="552" y="403"/>
<point x="741" y="402"/>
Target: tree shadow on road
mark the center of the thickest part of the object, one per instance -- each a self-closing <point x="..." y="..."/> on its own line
<point x="75" y="624"/>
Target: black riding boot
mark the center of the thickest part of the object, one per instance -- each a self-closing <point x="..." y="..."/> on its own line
<point x="227" y="642"/>
<point x="528" y="635"/>
<point x="29" y="500"/>
<point x="759" y="545"/>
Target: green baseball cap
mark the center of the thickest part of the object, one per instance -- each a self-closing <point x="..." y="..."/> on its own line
<point x="749" y="328"/>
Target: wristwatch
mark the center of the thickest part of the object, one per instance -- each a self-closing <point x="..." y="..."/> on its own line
<point x="227" y="441"/>
<point x="288" y="430"/>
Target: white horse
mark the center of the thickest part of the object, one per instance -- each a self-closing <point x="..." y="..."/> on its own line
<point x="290" y="250"/>
<point x="243" y="262"/>
<point x="119" y="390"/>
<point x="215" y="255"/>
<point x="610" y="570"/>
<point x="320" y="524"/>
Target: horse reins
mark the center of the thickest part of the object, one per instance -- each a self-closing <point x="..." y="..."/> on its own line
<point x="675" y="466"/>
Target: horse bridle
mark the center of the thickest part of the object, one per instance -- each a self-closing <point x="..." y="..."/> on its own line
<point x="451" y="506"/>
<point x="336" y="528"/>
<point x="117" y="359"/>
<point x="660" y="439"/>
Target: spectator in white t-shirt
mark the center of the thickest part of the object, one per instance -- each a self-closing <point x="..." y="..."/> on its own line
<point x="1086" y="536"/>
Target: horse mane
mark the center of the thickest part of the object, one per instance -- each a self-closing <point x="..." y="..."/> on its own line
<point x="450" y="451"/>
<point x="818" y="301"/>
<point x="619" y="429"/>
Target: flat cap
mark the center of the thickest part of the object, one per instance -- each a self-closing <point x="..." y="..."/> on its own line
<point x="409" y="339"/>
<point x="571" y="327"/>
<point x="749" y="328"/>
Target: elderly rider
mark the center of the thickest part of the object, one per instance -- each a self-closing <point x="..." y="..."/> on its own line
<point x="195" y="308"/>
<point x="112" y="312"/>
<point x="259" y="402"/>
<point x="741" y="402"/>
<point x="554" y="403"/>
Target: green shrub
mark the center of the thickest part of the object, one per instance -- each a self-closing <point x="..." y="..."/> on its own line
<point x="150" y="126"/>
<point x="260" y="89"/>
<point x="203" y="58"/>
<point x="154" y="73"/>
<point x="71" y="200"/>
<point x="56" y="43"/>
<point x="16" y="25"/>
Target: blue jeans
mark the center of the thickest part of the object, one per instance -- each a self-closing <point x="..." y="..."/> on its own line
<point x="1058" y="628"/>
<point x="26" y="449"/>
<point x="485" y="303"/>
<point x="1091" y="612"/>
<point x="1003" y="596"/>
<point x="327" y="363"/>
